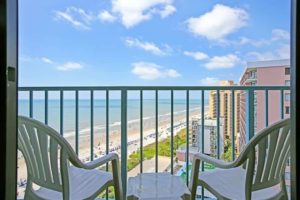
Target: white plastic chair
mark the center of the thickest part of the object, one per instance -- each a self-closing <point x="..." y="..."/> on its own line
<point x="257" y="173"/>
<point x="53" y="165"/>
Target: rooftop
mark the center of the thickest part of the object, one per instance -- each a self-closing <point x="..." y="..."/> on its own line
<point x="268" y="63"/>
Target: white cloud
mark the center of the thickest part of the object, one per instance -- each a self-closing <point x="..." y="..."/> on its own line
<point x="197" y="55"/>
<point x="277" y="35"/>
<point x="168" y="10"/>
<point x="215" y="62"/>
<point x="106" y="16"/>
<point x="260" y="56"/>
<point x="77" y="17"/>
<point x="172" y="73"/>
<point x="147" y="46"/>
<point x="133" y="12"/>
<point x="280" y="34"/>
<point x="222" y="62"/>
<point x="256" y="43"/>
<point x="129" y="12"/>
<point x="152" y="71"/>
<point x="68" y="66"/>
<point x="210" y="81"/>
<point x="218" y="23"/>
<point x="283" y="52"/>
<point x="47" y="60"/>
<point x="25" y="58"/>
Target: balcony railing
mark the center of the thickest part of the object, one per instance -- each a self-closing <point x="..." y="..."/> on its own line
<point x="196" y="96"/>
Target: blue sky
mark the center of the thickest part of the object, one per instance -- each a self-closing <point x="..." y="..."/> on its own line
<point x="147" y="42"/>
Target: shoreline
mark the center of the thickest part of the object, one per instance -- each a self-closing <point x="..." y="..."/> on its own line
<point x="114" y="125"/>
<point x="133" y="134"/>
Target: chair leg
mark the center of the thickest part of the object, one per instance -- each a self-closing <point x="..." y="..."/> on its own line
<point x="117" y="180"/>
<point x="29" y="194"/>
<point x="194" y="178"/>
<point x="285" y="195"/>
<point x="283" y="188"/>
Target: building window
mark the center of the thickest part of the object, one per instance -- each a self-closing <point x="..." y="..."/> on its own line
<point x="287" y="71"/>
<point x="287" y="110"/>
<point x="287" y="82"/>
<point x="252" y="75"/>
<point x="287" y="97"/>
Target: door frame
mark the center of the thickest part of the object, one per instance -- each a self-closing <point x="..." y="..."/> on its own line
<point x="8" y="97"/>
<point x="295" y="55"/>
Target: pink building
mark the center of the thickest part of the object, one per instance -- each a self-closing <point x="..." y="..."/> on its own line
<point x="265" y="73"/>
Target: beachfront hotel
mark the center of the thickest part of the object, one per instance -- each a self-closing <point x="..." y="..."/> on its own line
<point x="259" y="73"/>
<point x="210" y="139"/>
<point x="226" y="108"/>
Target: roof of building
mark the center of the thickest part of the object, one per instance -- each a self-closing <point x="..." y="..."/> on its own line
<point x="226" y="82"/>
<point x="211" y="122"/>
<point x="269" y="63"/>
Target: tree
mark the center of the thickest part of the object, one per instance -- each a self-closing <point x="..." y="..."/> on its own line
<point x="227" y="155"/>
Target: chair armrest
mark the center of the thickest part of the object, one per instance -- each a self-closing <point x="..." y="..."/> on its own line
<point x="218" y="163"/>
<point x="101" y="161"/>
<point x="114" y="158"/>
<point x="196" y="166"/>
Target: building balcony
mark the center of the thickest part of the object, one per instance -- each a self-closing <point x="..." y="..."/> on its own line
<point x="250" y="80"/>
<point x="148" y="127"/>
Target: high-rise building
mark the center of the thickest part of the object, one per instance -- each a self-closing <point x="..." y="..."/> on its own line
<point x="226" y="108"/>
<point x="264" y="73"/>
<point x="210" y="143"/>
<point x="210" y="136"/>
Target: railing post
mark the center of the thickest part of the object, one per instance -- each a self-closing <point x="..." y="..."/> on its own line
<point x="92" y="124"/>
<point x="281" y="104"/>
<point x="76" y="123"/>
<point x="156" y="131"/>
<point x="202" y="136"/>
<point x="249" y="115"/>
<point x="141" y="131"/>
<point x="187" y="135"/>
<point x="61" y="112"/>
<point x="266" y="108"/>
<point x="233" y="124"/>
<point x="46" y="107"/>
<point x="31" y="104"/>
<point x="124" y="139"/>
<point x="218" y="152"/>
<point x="172" y="132"/>
<point x="107" y="131"/>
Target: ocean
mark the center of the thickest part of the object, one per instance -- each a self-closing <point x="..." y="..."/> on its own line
<point x="133" y="111"/>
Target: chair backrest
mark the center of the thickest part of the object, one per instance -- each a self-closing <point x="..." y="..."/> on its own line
<point x="45" y="153"/>
<point x="266" y="155"/>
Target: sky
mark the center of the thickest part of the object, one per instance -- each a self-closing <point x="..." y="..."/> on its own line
<point x="147" y="42"/>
